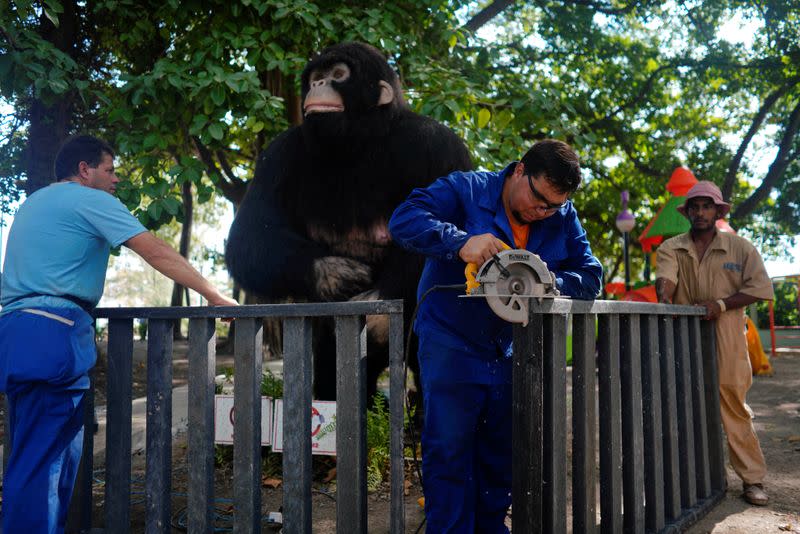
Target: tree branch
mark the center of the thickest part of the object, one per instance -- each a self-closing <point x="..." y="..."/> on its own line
<point x="232" y="191"/>
<point x="486" y="14"/>
<point x="605" y="8"/>
<point x="776" y="169"/>
<point x="733" y="168"/>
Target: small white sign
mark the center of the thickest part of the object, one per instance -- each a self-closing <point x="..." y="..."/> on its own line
<point x="224" y="414"/>
<point x="323" y="427"/>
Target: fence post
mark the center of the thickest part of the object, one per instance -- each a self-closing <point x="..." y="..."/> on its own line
<point x="248" y="362"/>
<point x="683" y="381"/>
<point x="652" y="426"/>
<point x="351" y="425"/>
<point x="526" y="492"/>
<point x="610" y="427"/>
<point x="699" y="413"/>
<point x="202" y="366"/>
<point x="584" y="412"/>
<point x="119" y="376"/>
<point x="632" y="432"/>
<point x="554" y="474"/>
<point x="297" y="385"/>
<point x="397" y="394"/>
<point x="669" y="419"/>
<point x="158" y="460"/>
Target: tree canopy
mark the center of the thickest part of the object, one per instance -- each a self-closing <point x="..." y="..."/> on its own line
<point x="190" y="91"/>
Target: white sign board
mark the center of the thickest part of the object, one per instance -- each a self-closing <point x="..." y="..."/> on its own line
<point x="224" y="414"/>
<point x="323" y="427"/>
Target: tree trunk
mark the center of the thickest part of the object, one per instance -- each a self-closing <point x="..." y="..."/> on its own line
<point x="186" y="237"/>
<point x="50" y="122"/>
<point x="48" y="129"/>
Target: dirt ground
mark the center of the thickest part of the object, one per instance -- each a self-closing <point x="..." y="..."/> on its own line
<point x="775" y="401"/>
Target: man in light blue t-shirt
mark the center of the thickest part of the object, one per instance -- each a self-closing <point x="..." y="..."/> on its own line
<point x="54" y="273"/>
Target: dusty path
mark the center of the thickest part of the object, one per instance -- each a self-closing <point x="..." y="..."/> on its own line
<point x="775" y="401"/>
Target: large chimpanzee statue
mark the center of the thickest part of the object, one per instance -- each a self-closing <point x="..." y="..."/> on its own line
<point x="313" y="225"/>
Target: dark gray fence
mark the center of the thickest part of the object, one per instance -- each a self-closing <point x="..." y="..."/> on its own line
<point x="645" y="374"/>
<point x="661" y="463"/>
<point x="351" y="496"/>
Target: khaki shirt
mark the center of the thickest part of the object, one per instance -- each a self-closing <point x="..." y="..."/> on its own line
<point x="730" y="265"/>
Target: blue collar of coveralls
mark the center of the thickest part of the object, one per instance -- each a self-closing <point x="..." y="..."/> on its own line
<point x="493" y="198"/>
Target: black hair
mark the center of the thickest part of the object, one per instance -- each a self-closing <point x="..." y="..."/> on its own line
<point x="76" y="149"/>
<point x="557" y="162"/>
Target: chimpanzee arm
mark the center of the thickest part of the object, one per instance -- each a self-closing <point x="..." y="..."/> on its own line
<point x="267" y="250"/>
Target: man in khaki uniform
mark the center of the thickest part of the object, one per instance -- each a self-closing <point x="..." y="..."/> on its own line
<point x="724" y="273"/>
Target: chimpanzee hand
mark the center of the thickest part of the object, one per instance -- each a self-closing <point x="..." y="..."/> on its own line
<point x="339" y="278"/>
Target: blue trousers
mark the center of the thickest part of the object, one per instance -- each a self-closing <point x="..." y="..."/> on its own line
<point x="44" y="361"/>
<point x="47" y="440"/>
<point x="466" y="447"/>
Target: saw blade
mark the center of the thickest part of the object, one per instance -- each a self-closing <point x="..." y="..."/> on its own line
<point x="510" y="279"/>
<point x="506" y="291"/>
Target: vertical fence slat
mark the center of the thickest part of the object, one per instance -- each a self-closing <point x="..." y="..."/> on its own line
<point x="699" y="410"/>
<point x="632" y="432"/>
<point x="297" y="373"/>
<point x="584" y="411"/>
<point x="119" y="377"/>
<point x="158" y="482"/>
<point x="554" y="424"/>
<point x="351" y="425"/>
<point x="397" y="394"/>
<point x="683" y="383"/>
<point x="669" y="419"/>
<point x="526" y="489"/>
<point x="248" y="361"/>
<point x="716" y="454"/>
<point x="651" y="409"/>
<point x="202" y="364"/>
<point x="610" y="428"/>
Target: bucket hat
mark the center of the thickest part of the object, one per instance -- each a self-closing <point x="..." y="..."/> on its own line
<point x="704" y="188"/>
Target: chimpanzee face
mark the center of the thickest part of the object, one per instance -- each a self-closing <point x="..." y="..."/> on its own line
<point x="323" y="94"/>
<point x="335" y="88"/>
<point x="350" y="77"/>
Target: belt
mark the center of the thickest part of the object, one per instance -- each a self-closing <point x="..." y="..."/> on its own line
<point x="85" y="305"/>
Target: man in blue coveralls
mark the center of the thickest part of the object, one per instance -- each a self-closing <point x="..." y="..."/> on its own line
<point x="464" y="348"/>
<point x="55" y="268"/>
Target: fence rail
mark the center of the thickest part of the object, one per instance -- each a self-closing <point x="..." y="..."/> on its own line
<point x="646" y="432"/>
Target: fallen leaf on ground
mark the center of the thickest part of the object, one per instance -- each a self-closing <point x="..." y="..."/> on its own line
<point x="271" y="482"/>
<point x="792" y="439"/>
<point x="786" y="528"/>
<point x="407" y="487"/>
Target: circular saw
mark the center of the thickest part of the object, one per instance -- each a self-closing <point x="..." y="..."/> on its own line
<point x="508" y="280"/>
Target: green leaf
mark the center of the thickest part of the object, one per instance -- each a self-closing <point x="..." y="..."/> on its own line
<point x="150" y="141"/>
<point x="453" y="106"/>
<point x="52" y="17"/>
<point x="218" y="95"/>
<point x="216" y="131"/>
<point x="154" y="210"/>
<point x="172" y="205"/>
<point x="58" y="86"/>
<point x="54" y="6"/>
<point x="483" y="117"/>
